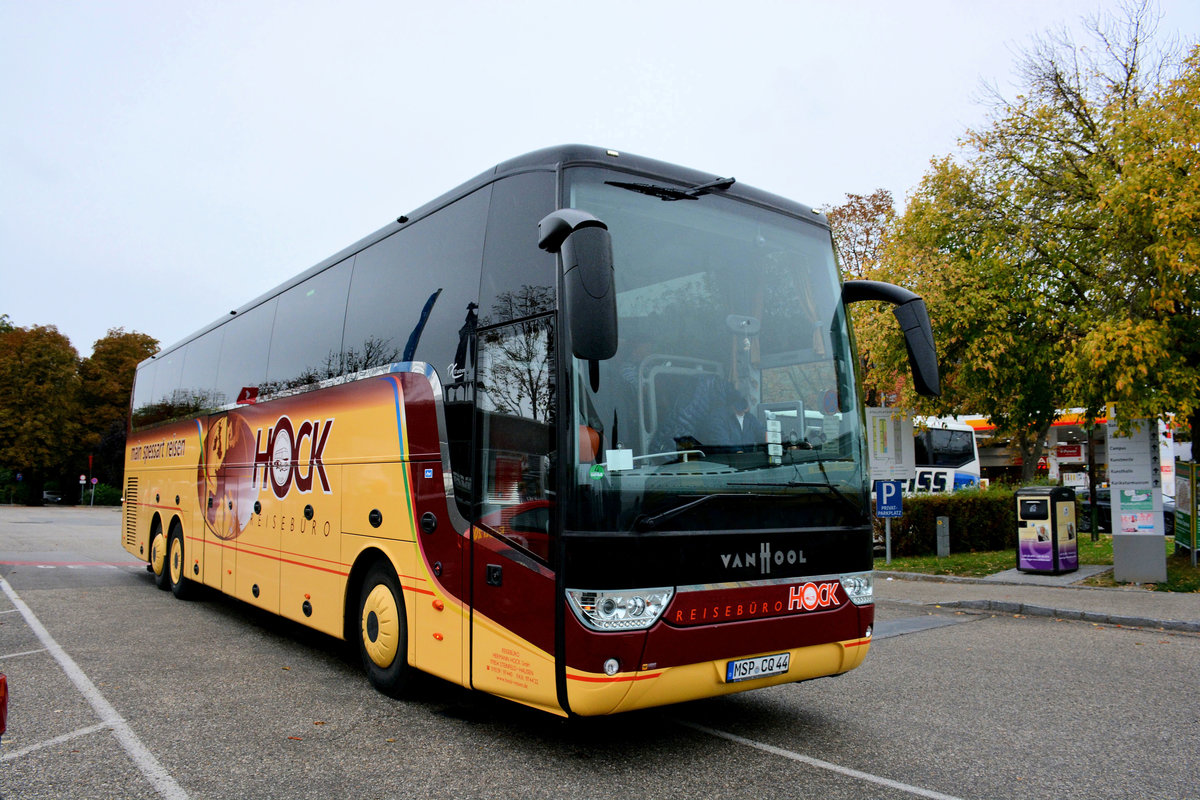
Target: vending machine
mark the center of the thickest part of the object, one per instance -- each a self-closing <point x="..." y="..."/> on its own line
<point x="1046" y="532"/>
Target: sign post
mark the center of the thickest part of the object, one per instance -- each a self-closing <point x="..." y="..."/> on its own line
<point x="1135" y="477"/>
<point x="888" y="504"/>
<point x="893" y="462"/>
<point x="1185" y="507"/>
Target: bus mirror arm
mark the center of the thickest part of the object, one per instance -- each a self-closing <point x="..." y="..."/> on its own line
<point x="913" y="317"/>
<point x="589" y="291"/>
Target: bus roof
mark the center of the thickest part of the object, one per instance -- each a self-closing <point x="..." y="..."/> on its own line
<point x="549" y="158"/>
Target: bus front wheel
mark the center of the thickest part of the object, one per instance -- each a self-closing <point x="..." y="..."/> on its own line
<point x="382" y="631"/>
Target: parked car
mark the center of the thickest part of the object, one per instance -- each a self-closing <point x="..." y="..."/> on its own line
<point x="1104" y="512"/>
<point x="51" y="497"/>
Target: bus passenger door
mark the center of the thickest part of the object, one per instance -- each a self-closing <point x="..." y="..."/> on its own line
<point x="440" y="613"/>
<point x="513" y="531"/>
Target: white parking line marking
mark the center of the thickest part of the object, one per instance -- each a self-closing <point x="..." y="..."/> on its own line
<point x="66" y="737"/>
<point x="819" y="764"/>
<point x="26" y="653"/>
<point x="154" y="772"/>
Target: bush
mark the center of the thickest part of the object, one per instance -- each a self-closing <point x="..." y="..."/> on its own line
<point x="106" y="495"/>
<point x="979" y="521"/>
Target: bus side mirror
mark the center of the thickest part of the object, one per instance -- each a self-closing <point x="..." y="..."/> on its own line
<point x="913" y="317"/>
<point x="589" y="290"/>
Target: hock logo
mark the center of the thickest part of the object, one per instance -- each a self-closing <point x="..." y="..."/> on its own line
<point x="279" y="456"/>
<point x="812" y="596"/>
<point x="763" y="559"/>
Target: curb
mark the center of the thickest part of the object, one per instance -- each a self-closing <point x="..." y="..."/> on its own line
<point x="1100" y="618"/>
<point x="924" y="576"/>
<point x="1006" y="607"/>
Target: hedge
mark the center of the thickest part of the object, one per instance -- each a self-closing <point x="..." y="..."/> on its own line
<point x="979" y="521"/>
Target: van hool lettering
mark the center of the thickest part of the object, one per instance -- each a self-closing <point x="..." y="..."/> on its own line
<point x="763" y="559"/>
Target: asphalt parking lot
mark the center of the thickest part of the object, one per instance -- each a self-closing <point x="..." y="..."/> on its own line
<point x="119" y="690"/>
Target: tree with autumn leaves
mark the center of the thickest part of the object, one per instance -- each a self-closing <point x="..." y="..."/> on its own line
<point x="56" y="409"/>
<point x="1059" y="251"/>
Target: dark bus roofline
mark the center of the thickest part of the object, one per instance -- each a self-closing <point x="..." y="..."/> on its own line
<point x="573" y="155"/>
<point x="546" y="159"/>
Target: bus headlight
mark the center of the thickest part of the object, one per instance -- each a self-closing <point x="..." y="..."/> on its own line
<point x="624" y="610"/>
<point x="859" y="588"/>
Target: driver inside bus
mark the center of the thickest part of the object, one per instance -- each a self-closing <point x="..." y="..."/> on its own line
<point x="735" y="425"/>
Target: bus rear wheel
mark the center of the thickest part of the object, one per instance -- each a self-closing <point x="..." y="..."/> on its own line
<point x="382" y="631"/>
<point x="158" y="557"/>
<point x="176" y="569"/>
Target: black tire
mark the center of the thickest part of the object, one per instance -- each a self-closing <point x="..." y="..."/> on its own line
<point x="176" y="567"/>
<point x="382" y="630"/>
<point x="158" y="557"/>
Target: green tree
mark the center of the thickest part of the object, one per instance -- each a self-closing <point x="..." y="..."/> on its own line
<point x="1036" y="252"/>
<point x="860" y="228"/>
<point x="1144" y="353"/>
<point x="106" y="380"/>
<point x="998" y="336"/>
<point x="40" y="423"/>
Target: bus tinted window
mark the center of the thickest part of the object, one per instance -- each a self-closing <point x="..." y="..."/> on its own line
<point x="199" y="379"/>
<point x="518" y="277"/>
<point x="410" y="293"/>
<point x="244" y="351"/>
<point x="516" y="402"/>
<point x="306" y="341"/>
<point x="943" y="448"/>
<point x="143" y="395"/>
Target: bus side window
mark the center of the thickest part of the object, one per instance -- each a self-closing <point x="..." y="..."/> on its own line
<point x="519" y="279"/>
<point x="199" y="380"/>
<point x="515" y="399"/>
<point x="410" y="292"/>
<point x="306" y="340"/>
<point x="243" y="363"/>
<point x="143" y="396"/>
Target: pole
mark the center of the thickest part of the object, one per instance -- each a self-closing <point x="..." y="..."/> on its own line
<point x="887" y="539"/>
<point x="1091" y="509"/>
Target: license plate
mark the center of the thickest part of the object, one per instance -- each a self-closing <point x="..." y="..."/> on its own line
<point x="749" y="668"/>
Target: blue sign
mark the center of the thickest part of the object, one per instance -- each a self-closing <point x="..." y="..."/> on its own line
<point x="887" y="499"/>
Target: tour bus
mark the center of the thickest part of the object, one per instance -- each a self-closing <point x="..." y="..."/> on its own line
<point x="538" y="438"/>
<point x="947" y="456"/>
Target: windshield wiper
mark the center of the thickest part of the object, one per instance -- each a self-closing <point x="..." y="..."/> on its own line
<point x="858" y="512"/>
<point x="668" y="193"/>
<point x="645" y="523"/>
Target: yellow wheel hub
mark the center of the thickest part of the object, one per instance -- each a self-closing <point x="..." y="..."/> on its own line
<point x="158" y="549"/>
<point x="381" y="626"/>
<point x="176" y="560"/>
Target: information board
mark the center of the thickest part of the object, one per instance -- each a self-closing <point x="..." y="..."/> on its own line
<point x="1135" y="478"/>
<point x="892" y="453"/>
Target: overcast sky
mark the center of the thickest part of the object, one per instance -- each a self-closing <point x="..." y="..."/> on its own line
<point x="164" y="162"/>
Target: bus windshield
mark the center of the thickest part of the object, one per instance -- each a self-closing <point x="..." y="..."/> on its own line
<point x="730" y="403"/>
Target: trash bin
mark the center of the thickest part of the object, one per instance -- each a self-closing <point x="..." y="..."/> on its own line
<point x="1046" y="540"/>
